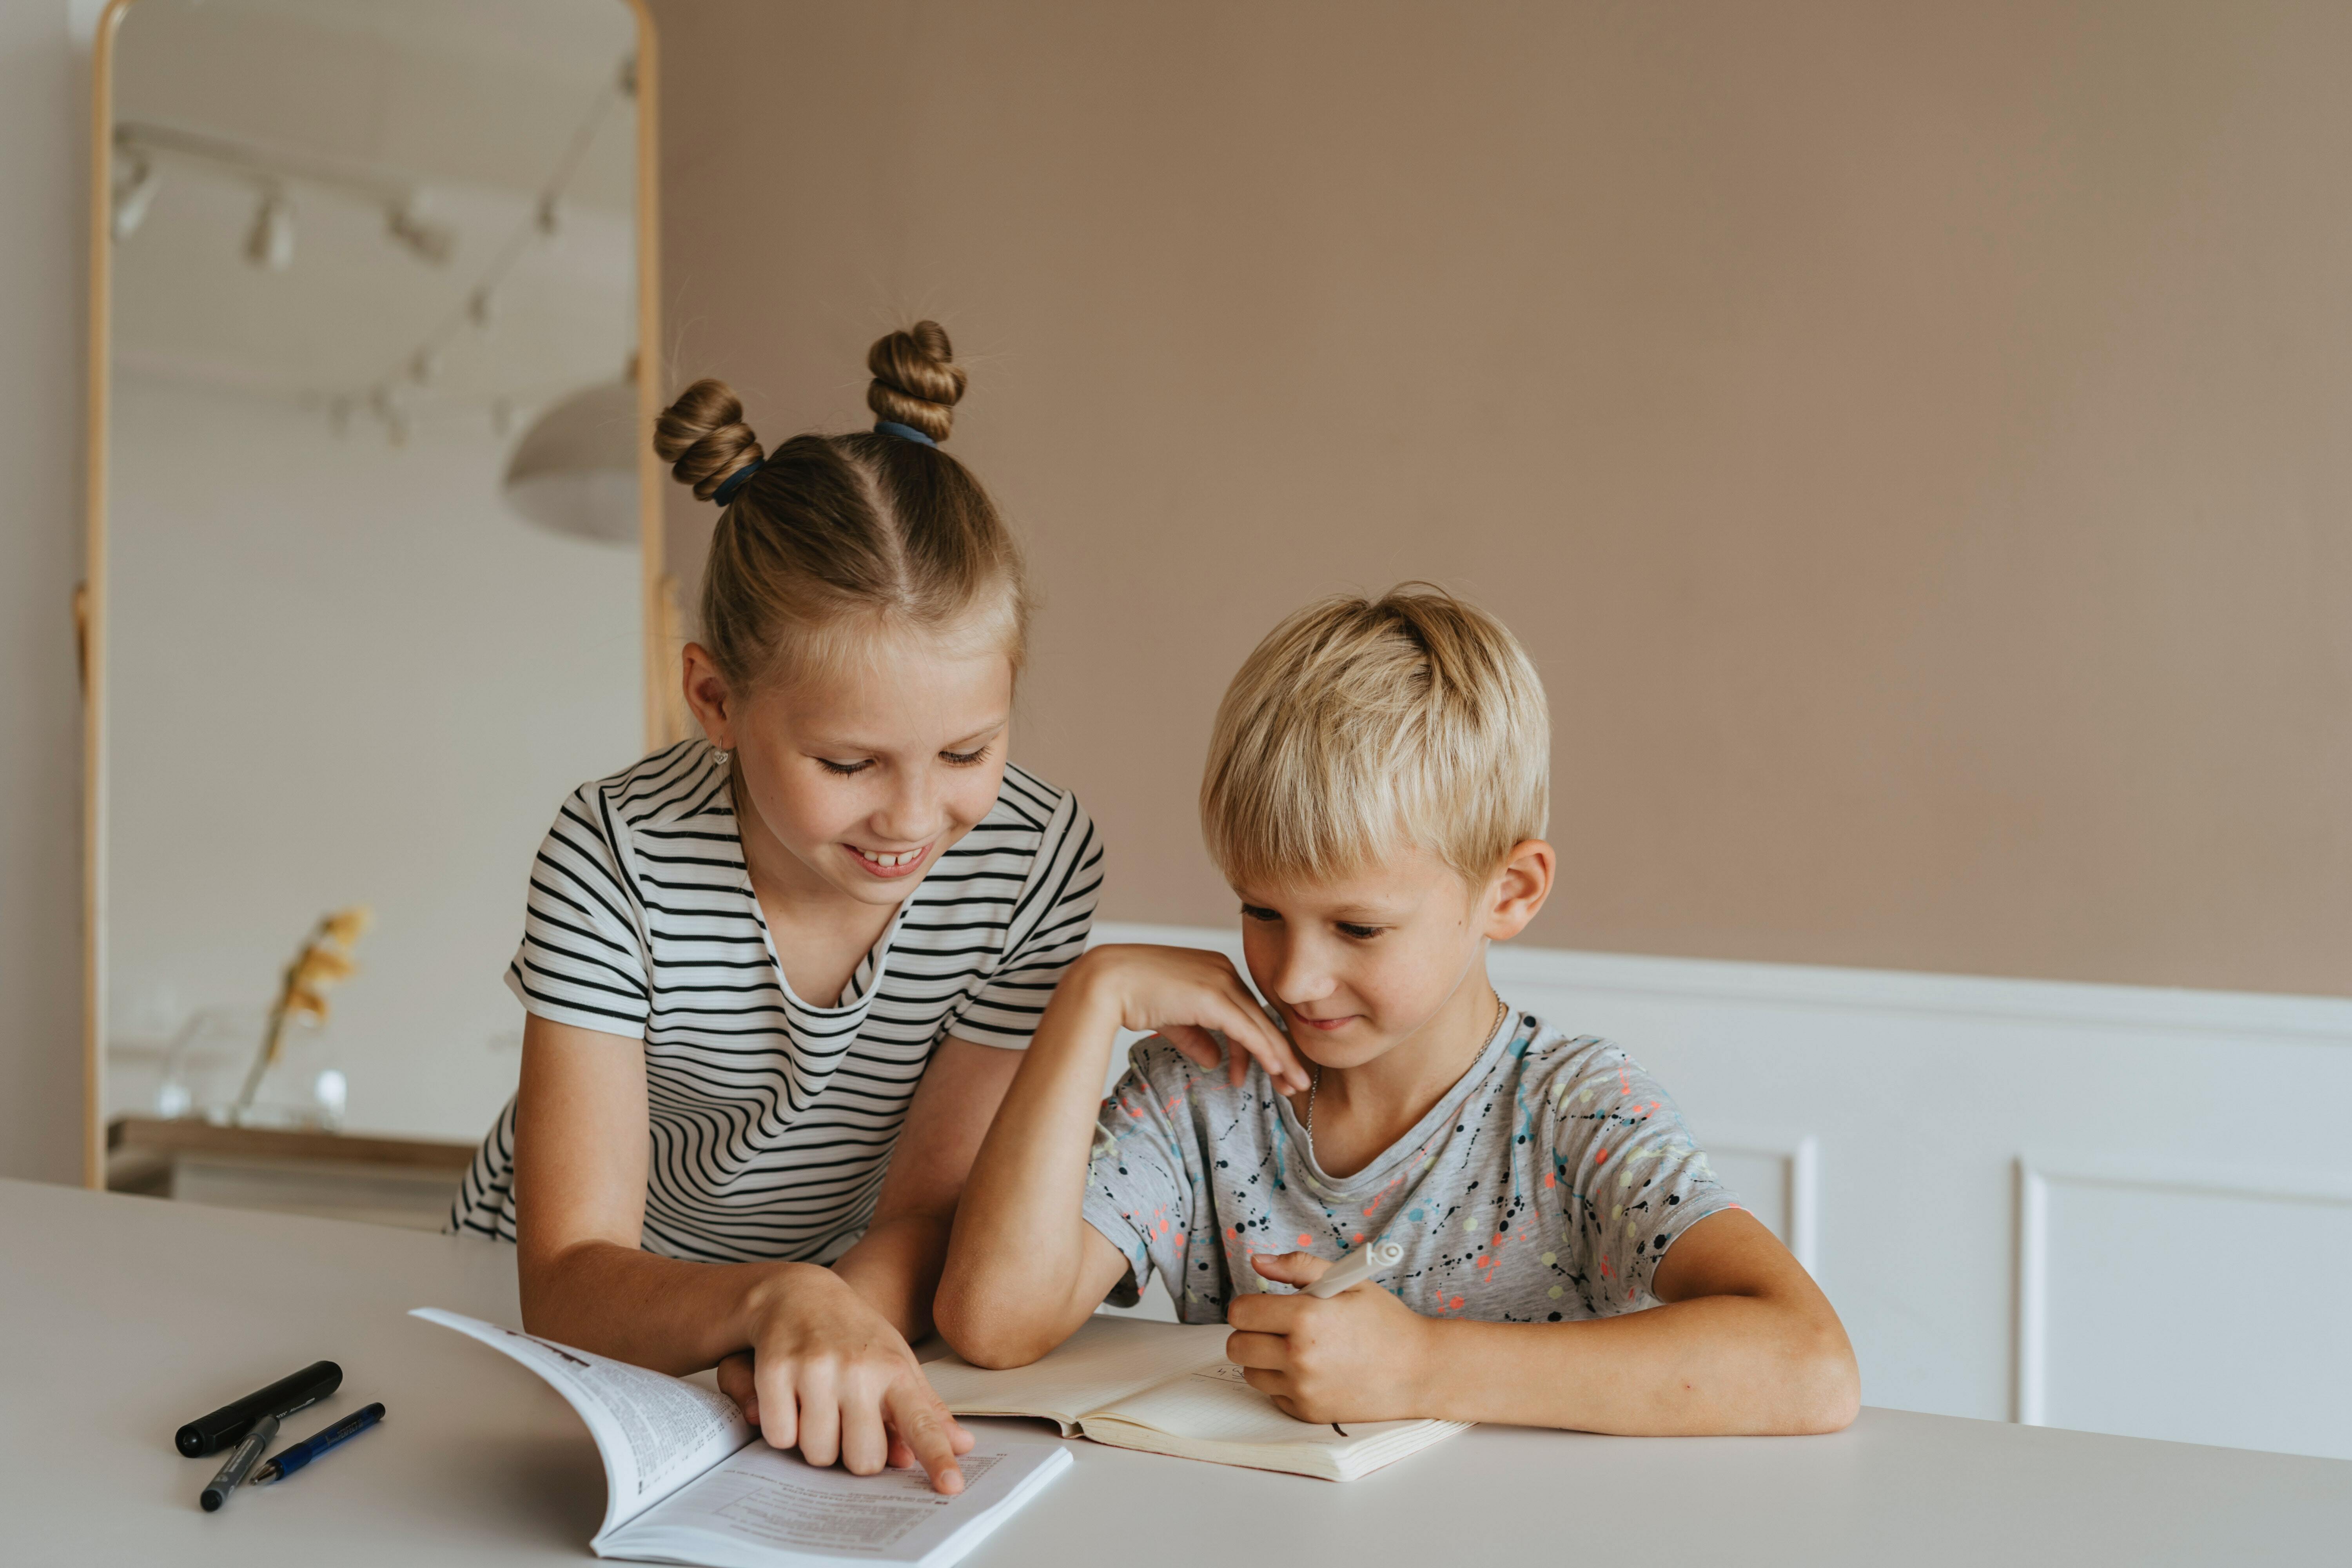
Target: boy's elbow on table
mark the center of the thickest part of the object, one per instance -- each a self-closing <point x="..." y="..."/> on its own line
<point x="1828" y="1392"/>
<point x="1808" y="1384"/>
<point x="985" y="1329"/>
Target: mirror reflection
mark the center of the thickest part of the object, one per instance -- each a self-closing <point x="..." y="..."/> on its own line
<point x="374" y="578"/>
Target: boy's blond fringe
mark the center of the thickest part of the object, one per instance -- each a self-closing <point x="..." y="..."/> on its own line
<point x="1360" y="727"/>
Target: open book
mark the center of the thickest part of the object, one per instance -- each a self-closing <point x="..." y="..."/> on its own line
<point x="1168" y="1389"/>
<point x="688" y="1480"/>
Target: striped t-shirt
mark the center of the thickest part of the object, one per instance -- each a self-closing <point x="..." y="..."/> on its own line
<point x="772" y="1119"/>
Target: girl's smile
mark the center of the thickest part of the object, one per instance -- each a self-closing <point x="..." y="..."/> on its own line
<point x="853" y="781"/>
<point x="889" y="865"/>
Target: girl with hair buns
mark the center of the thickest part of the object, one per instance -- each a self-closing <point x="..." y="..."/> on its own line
<point x="778" y="977"/>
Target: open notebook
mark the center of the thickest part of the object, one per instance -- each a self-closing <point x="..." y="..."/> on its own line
<point x="687" y="1480"/>
<point x="1168" y="1389"/>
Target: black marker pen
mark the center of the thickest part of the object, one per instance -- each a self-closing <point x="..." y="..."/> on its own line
<point x="211" y="1434"/>
<point x="249" y="1449"/>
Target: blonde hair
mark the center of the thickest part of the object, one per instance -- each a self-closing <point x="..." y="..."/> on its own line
<point x="837" y="533"/>
<point x="1360" y="727"/>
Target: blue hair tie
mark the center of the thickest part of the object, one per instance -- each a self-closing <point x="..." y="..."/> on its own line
<point x="736" y="482"/>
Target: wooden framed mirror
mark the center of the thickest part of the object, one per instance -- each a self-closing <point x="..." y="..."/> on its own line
<point x="374" y="571"/>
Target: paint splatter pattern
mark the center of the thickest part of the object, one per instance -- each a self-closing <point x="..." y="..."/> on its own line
<point x="1546" y="1185"/>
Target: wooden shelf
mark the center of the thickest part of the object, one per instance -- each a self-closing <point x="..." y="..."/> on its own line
<point x="130" y="1135"/>
<point x="405" y="1182"/>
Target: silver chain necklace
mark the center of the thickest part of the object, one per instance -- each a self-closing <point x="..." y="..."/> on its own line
<point x="1502" y="1011"/>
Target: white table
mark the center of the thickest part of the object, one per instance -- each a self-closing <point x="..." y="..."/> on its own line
<point x="122" y="1317"/>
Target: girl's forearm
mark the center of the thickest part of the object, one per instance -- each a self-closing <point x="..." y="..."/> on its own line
<point x="1736" y="1364"/>
<point x="896" y="1267"/>
<point x="1013" y="1285"/>
<point x="660" y="1312"/>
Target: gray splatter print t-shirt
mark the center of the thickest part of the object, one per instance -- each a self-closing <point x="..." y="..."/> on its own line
<point x="1545" y="1185"/>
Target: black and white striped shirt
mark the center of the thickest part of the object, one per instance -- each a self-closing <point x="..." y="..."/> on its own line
<point x="773" y="1120"/>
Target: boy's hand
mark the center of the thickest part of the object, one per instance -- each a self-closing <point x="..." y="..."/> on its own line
<point x="1182" y="992"/>
<point x="1358" y="1356"/>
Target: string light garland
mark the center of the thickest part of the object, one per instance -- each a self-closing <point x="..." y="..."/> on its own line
<point x="270" y="242"/>
<point x="477" y="306"/>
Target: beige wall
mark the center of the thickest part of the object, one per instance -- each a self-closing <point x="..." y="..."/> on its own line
<point x="1914" y="442"/>
<point x="43" y="66"/>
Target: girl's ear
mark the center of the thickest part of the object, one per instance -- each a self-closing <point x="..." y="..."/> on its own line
<point x="1520" y="889"/>
<point x="707" y="694"/>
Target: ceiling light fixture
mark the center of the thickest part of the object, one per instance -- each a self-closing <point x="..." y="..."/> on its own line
<point x="425" y="239"/>
<point x="270" y="244"/>
<point x="575" y="469"/>
<point x="136" y="183"/>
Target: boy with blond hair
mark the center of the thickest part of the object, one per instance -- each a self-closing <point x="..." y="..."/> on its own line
<point x="1376" y="794"/>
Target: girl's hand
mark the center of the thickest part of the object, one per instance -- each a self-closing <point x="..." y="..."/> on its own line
<point x="826" y="1373"/>
<point x="1361" y="1355"/>
<point x="1182" y="992"/>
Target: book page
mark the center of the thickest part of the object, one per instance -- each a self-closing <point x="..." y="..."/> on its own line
<point x="1106" y="1360"/>
<point x="655" y="1432"/>
<point x="759" y="1506"/>
<point x="1213" y="1405"/>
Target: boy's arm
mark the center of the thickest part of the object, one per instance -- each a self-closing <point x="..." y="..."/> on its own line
<point x="1023" y="1271"/>
<point x="895" y="1263"/>
<point x="1023" y="1268"/>
<point x="1746" y="1343"/>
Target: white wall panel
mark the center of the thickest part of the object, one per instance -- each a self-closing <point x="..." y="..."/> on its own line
<point x="1917" y="1095"/>
<point x="428" y="764"/>
<point x="1778" y="1180"/>
<point x="2167" y="1306"/>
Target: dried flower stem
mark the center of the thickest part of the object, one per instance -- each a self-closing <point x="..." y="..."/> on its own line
<point x="325" y="959"/>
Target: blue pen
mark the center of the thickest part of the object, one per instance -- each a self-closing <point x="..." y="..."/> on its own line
<point x="317" y="1443"/>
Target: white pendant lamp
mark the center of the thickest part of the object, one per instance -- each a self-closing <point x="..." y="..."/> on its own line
<point x="575" y="469"/>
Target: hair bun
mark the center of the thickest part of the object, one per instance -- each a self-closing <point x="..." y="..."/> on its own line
<point x="703" y="438"/>
<point x="916" y="381"/>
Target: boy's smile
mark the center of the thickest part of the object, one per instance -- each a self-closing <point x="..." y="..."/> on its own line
<point x="1381" y="979"/>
